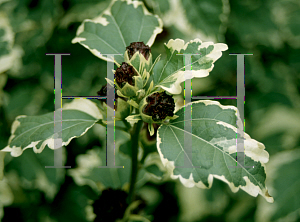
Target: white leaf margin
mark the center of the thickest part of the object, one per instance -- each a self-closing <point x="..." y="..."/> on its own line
<point x="264" y="210"/>
<point x="101" y="20"/>
<point x="6" y="196"/>
<point x="179" y="44"/>
<point x="177" y="17"/>
<point x="253" y="153"/>
<point x="7" y="61"/>
<point x="154" y="159"/>
<point x="84" y="105"/>
<point x="91" y="160"/>
<point x="86" y="162"/>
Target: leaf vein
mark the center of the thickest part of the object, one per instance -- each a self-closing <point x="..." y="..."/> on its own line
<point x="44" y="124"/>
<point x="118" y="28"/>
<point x="217" y="148"/>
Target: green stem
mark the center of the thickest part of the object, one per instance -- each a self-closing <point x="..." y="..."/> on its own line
<point x="134" y="165"/>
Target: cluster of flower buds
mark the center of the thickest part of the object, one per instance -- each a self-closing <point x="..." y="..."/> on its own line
<point x="130" y="79"/>
<point x="139" y="56"/>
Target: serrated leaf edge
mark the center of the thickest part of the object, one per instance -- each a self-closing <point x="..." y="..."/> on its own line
<point x="17" y="151"/>
<point x="179" y="44"/>
<point x="85" y="106"/>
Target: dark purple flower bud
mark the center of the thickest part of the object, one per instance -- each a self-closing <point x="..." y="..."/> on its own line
<point x="138" y="46"/>
<point x="110" y="206"/>
<point x="124" y="74"/>
<point x="159" y="106"/>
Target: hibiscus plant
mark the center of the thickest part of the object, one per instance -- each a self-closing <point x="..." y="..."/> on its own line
<point x="148" y="118"/>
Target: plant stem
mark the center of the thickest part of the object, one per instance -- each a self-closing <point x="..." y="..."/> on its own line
<point x="134" y="165"/>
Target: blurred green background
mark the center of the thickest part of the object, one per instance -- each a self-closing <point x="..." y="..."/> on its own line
<point x="268" y="29"/>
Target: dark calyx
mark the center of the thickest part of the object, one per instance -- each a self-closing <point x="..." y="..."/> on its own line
<point x="138" y="46"/>
<point x="124" y="74"/>
<point x="160" y="105"/>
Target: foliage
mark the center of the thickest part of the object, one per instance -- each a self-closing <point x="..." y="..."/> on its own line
<point x="150" y="151"/>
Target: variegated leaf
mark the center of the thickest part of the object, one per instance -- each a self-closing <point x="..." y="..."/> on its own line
<point x="213" y="139"/>
<point x="38" y="131"/>
<point x="123" y="22"/>
<point x="170" y="72"/>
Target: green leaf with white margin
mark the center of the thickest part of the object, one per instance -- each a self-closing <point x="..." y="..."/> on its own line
<point x="6" y="44"/>
<point x="159" y="6"/>
<point x="38" y="131"/>
<point x="153" y="165"/>
<point x="207" y="16"/>
<point x="31" y="169"/>
<point x="170" y="72"/>
<point x="6" y="196"/>
<point x="89" y="173"/>
<point x="123" y="22"/>
<point x="214" y="135"/>
<point x="284" y="184"/>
